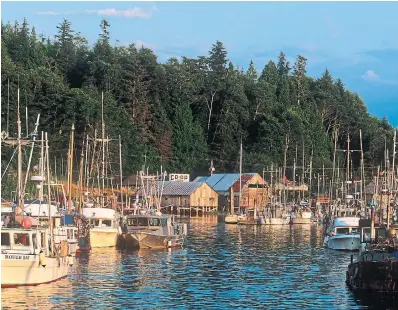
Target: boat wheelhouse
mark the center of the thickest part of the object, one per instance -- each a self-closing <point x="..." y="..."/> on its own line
<point x="153" y="231"/>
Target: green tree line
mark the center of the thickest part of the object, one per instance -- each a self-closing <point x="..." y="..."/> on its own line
<point x="185" y="112"/>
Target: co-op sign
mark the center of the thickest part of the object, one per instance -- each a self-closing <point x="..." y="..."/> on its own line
<point x="179" y="177"/>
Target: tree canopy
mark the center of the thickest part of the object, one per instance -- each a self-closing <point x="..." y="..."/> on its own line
<point x="185" y="112"/>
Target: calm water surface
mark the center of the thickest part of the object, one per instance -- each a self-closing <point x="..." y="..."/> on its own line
<point x="221" y="267"/>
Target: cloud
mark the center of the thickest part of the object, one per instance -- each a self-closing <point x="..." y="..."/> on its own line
<point x="370" y="75"/>
<point x="129" y="13"/>
<point x="52" y="13"/>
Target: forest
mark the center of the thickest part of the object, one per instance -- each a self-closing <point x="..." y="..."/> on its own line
<point x="185" y="112"/>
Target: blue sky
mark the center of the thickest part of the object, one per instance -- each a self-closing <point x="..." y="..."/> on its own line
<point x="356" y="41"/>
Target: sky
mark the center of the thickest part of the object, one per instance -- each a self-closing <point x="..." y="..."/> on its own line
<point x="355" y="41"/>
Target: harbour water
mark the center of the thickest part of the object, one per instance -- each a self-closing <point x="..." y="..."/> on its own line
<point x="220" y="267"/>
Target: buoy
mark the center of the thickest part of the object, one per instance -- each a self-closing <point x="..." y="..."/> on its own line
<point x="26" y="223"/>
<point x="169" y="243"/>
<point x="70" y="260"/>
<point x="42" y="259"/>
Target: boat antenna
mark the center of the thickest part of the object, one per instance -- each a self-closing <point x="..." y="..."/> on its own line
<point x="8" y="105"/>
<point x="240" y="171"/>
<point x="121" y="171"/>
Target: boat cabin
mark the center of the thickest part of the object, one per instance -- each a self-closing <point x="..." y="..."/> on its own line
<point x="100" y="217"/>
<point x="152" y="222"/>
<point x="24" y="241"/>
<point x="345" y="226"/>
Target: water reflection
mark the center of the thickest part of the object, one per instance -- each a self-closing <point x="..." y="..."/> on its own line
<point x="221" y="266"/>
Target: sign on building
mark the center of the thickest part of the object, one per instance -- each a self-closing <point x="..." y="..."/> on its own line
<point x="179" y="177"/>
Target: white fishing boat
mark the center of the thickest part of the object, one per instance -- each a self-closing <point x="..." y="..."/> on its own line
<point x="233" y="218"/>
<point x="343" y="234"/>
<point x="27" y="260"/>
<point x="104" y="227"/>
<point x="29" y="256"/>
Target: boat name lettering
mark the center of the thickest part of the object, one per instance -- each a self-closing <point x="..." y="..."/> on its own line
<point x="21" y="257"/>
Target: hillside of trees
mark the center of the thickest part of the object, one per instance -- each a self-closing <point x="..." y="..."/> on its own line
<point x="185" y="112"/>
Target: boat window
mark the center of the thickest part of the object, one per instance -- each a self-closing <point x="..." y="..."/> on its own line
<point x="342" y="230"/>
<point x="106" y="223"/>
<point x="154" y="222"/>
<point x="355" y="230"/>
<point x="366" y="235"/>
<point x="142" y="221"/>
<point x="70" y="233"/>
<point x="34" y="240"/>
<point x="95" y="223"/>
<point x="43" y="240"/>
<point x="21" y="240"/>
<point x="5" y="239"/>
<point x="132" y="222"/>
<point x="164" y="222"/>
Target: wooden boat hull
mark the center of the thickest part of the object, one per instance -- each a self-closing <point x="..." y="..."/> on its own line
<point x="374" y="276"/>
<point x="145" y="240"/>
<point x="21" y="270"/>
<point x="103" y="238"/>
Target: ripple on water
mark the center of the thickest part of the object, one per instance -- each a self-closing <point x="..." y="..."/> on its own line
<point x="221" y="267"/>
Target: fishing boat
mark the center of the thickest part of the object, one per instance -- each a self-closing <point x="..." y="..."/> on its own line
<point x="30" y="256"/>
<point x="26" y="258"/>
<point x="233" y="218"/>
<point x="104" y="226"/>
<point x="376" y="269"/>
<point x="343" y="234"/>
<point x="301" y="217"/>
<point x="153" y="231"/>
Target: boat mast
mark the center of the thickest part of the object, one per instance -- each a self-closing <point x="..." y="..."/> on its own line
<point x="348" y="162"/>
<point x="302" y="178"/>
<point x="284" y="169"/>
<point x="103" y="149"/>
<point x="312" y="154"/>
<point x="49" y="195"/>
<point x="334" y="161"/>
<point x="71" y="169"/>
<point x="362" y="189"/>
<point x="31" y="152"/>
<point x="19" y="187"/>
<point x="8" y="106"/>
<point x="393" y="160"/>
<point x="81" y="177"/>
<point x="240" y="173"/>
<point x="121" y="171"/>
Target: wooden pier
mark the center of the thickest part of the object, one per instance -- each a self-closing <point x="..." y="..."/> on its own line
<point x="189" y="211"/>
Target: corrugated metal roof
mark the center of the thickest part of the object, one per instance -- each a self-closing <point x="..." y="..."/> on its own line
<point x="214" y="179"/>
<point x="221" y="182"/>
<point x="173" y="188"/>
<point x="201" y="179"/>
<point x="226" y="182"/>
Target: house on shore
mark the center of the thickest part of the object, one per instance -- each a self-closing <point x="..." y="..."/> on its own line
<point x="253" y="189"/>
<point x="185" y="194"/>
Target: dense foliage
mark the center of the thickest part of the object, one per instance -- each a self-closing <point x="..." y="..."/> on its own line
<point x="184" y="112"/>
